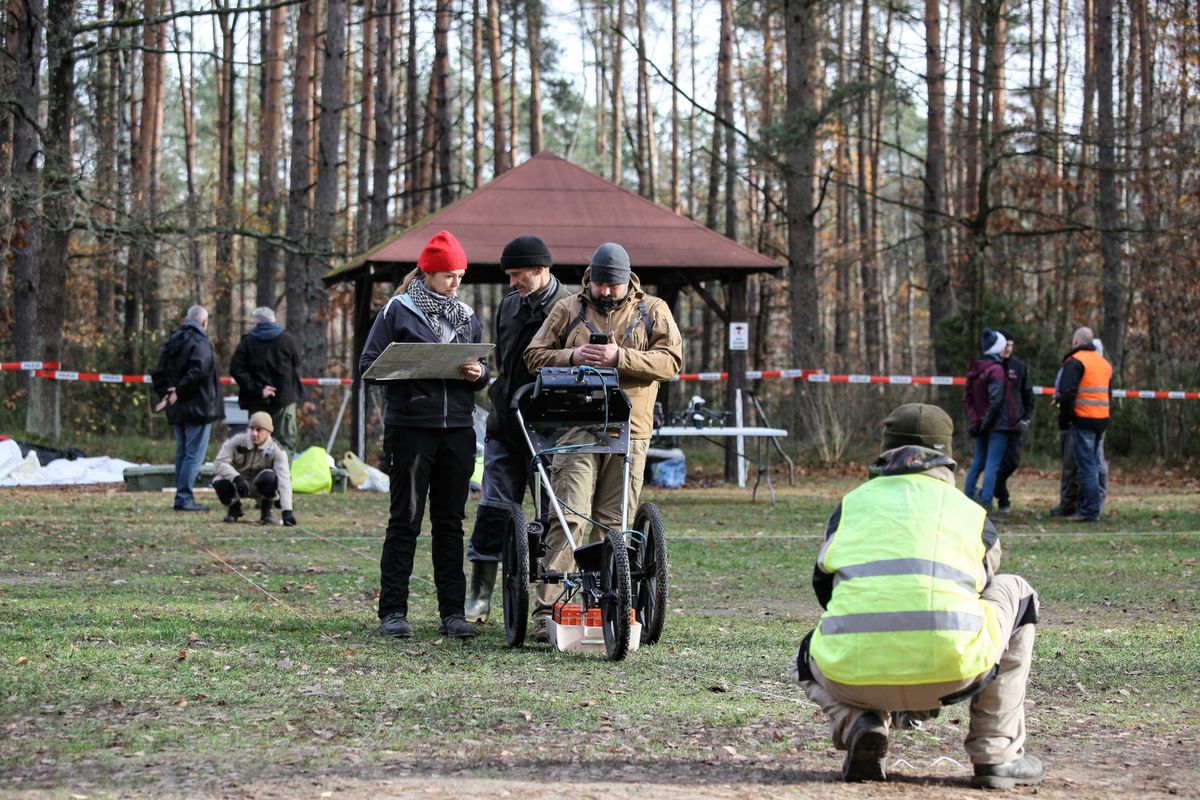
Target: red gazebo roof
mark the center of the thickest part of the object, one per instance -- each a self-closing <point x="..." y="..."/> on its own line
<point x="573" y="211"/>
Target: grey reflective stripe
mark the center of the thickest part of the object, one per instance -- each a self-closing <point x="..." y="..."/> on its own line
<point x="1092" y="389"/>
<point x="1091" y="402"/>
<point x="907" y="566"/>
<point x="893" y="621"/>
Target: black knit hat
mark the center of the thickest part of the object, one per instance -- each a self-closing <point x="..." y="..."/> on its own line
<point x="525" y="251"/>
<point x="919" y="424"/>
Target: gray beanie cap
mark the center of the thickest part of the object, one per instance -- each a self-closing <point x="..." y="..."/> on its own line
<point x="610" y="264"/>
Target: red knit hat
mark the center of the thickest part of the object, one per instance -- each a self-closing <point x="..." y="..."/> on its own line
<point x="442" y="253"/>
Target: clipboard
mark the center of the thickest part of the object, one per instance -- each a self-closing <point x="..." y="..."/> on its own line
<point x="403" y="361"/>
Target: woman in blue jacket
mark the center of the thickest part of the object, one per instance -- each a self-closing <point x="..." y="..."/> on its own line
<point x="429" y="438"/>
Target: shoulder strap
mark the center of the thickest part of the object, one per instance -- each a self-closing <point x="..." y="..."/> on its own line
<point x="644" y="318"/>
<point x="581" y="317"/>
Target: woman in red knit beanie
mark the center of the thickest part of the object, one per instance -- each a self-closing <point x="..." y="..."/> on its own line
<point x="429" y="437"/>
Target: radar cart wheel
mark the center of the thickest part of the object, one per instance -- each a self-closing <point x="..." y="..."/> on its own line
<point x="515" y="563"/>
<point x="648" y="570"/>
<point x="615" y="595"/>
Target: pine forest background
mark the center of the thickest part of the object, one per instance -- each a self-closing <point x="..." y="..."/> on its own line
<point x="920" y="170"/>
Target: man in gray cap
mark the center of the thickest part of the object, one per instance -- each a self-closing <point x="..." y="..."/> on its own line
<point x="645" y="347"/>
<point x="915" y="615"/>
<point x="526" y="261"/>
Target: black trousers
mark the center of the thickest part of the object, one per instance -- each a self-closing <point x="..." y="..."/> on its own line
<point x="1012" y="460"/>
<point x="263" y="487"/>
<point x="426" y="462"/>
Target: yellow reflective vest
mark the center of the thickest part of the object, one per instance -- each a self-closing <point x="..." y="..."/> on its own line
<point x="907" y="560"/>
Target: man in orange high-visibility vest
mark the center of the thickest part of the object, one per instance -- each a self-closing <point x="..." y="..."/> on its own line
<point x="1083" y="408"/>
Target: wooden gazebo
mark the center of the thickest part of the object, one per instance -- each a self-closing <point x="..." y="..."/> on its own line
<point x="573" y="211"/>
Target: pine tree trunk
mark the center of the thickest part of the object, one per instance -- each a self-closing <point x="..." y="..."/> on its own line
<point x="106" y="144"/>
<point x="476" y="98"/>
<point x="25" y="39"/>
<point x="969" y="202"/>
<point x="725" y="110"/>
<point x="1106" y="199"/>
<point x="385" y="119"/>
<point x="618" y="121"/>
<point x="42" y="413"/>
<point x="933" y="208"/>
<point x="533" y="35"/>
<point x="675" y="203"/>
<point x="804" y="31"/>
<point x="640" y="156"/>
<point x="269" y="151"/>
<point x="841" y="298"/>
<point x="299" y="226"/>
<point x="426" y="199"/>
<point x="412" y="119"/>
<point x="144" y="252"/>
<point x="441" y="69"/>
<point x="868" y="260"/>
<point x="221" y="321"/>
<point x="325" y="202"/>
<point x="187" y="97"/>
<point x="129" y="280"/>
<point x="366" y="117"/>
<point x="499" y="140"/>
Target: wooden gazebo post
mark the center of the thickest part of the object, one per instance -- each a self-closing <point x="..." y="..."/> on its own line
<point x="736" y="364"/>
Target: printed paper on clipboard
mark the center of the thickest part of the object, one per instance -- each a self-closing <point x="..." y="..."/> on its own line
<point x="414" y="360"/>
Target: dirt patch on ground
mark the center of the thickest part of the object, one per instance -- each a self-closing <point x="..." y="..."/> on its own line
<point x="1082" y="762"/>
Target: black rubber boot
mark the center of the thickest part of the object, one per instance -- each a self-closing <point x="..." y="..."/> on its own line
<point x="483" y="581"/>
<point x="267" y="517"/>
<point x="235" y="511"/>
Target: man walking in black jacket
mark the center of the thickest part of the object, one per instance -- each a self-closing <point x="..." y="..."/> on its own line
<point x="526" y="260"/>
<point x="266" y="366"/>
<point x="189" y="389"/>
<point x="1018" y="375"/>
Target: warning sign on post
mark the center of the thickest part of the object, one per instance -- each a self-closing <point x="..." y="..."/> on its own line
<point x="739" y="336"/>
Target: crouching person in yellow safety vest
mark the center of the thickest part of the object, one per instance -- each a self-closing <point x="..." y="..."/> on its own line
<point x="915" y="615"/>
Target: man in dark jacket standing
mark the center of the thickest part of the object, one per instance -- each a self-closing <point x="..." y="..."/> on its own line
<point x="266" y="366"/>
<point x="1022" y="389"/>
<point x="526" y="261"/>
<point x="189" y="388"/>
<point x="1082" y="394"/>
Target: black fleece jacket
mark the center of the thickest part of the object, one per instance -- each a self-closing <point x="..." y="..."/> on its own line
<point x="426" y="403"/>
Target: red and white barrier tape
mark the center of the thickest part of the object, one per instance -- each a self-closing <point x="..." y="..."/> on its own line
<point x="27" y="366"/>
<point x="106" y="377"/>
<point x="810" y="375"/>
<point x="816" y="376"/>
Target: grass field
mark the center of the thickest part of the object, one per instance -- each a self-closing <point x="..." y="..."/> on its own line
<point x="145" y="653"/>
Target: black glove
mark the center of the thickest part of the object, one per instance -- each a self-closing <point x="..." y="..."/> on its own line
<point x="974" y="431"/>
<point x="289" y="519"/>
<point x="1024" y="424"/>
<point x="241" y="486"/>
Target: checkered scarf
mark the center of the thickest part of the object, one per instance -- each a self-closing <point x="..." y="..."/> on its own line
<point x="434" y="306"/>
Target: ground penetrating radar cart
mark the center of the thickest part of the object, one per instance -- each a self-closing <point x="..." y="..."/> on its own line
<point x="617" y="598"/>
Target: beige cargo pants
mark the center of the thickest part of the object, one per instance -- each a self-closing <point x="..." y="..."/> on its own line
<point x="592" y="486"/>
<point x="997" y="730"/>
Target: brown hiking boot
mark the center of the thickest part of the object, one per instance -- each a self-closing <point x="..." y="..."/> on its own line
<point x="866" y="747"/>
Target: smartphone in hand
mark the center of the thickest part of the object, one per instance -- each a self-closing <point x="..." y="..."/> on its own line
<point x="598" y="338"/>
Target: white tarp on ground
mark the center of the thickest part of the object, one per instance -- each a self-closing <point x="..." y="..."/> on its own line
<point x="26" y="471"/>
